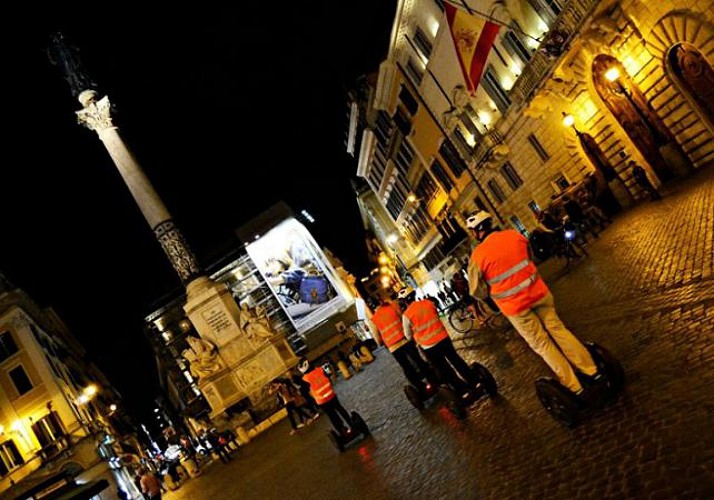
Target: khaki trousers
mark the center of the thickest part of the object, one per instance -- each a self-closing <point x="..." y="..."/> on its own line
<point x="541" y="327"/>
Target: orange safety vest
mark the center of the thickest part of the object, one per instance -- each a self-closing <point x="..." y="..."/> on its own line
<point x="427" y="328"/>
<point x="512" y="277"/>
<point x="320" y="385"/>
<point x="388" y="321"/>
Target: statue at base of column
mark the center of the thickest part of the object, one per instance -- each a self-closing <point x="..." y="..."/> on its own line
<point x="202" y="355"/>
<point x="254" y="322"/>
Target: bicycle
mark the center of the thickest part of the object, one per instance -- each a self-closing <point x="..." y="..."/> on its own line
<point x="462" y="318"/>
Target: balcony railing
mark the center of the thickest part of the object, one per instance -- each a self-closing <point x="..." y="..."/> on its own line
<point x="540" y="66"/>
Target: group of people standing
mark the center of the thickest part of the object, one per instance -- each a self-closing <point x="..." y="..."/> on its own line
<point x="294" y="395"/>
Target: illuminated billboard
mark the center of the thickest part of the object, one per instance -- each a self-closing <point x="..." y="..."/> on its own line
<point x="299" y="275"/>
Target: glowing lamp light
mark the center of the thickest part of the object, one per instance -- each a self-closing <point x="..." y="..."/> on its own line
<point x="82" y="399"/>
<point x="506" y="83"/>
<point x="90" y="390"/>
<point x="383" y="259"/>
<point x="112" y="407"/>
<point x="612" y="74"/>
<point x="412" y="198"/>
<point x="384" y="269"/>
<point x="392" y="238"/>
<point x="568" y="120"/>
<point x="484" y="118"/>
<point x="385" y="280"/>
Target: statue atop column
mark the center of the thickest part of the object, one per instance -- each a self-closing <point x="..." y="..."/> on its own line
<point x="66" y="56"/>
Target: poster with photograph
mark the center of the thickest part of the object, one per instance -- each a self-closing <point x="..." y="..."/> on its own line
<point x="298" y="273"/>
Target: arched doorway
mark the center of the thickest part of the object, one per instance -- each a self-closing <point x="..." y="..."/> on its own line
<point x="695" y="76"/>
<point x="611" y="193"/>
<point x="629" y="106"/>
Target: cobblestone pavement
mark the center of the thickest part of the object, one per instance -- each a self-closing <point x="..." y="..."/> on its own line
<point x="646" y="292"/>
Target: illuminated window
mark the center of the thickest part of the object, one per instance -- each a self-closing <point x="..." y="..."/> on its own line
<point x="8" y="347"/>
<point x="413" y="71"/>
<point x="495" y="91"/>
<point x="441" y="175"/>
<point x="410" y="103"/>
<point x="542" y="153"/>
<point x="21" y="380"/>
<point x="516" y="44"/>
<point x="518" y="225"/>
<point x="10" y="457"/>
<point x="533" y="207"/>
<point x="49" y="429"/>
<point x="561" y="183"/>
<point x="422" y="42"/>
<point x="496" y="190"/>
<point x="451" y="156"/>
<point x="509" y="173"/>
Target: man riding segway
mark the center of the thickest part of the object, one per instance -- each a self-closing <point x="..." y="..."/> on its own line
<point x="501" y="266"/>
<point x="421" y="322"/>
<point x="347" y="427"/>
<point x="387" y="318"/>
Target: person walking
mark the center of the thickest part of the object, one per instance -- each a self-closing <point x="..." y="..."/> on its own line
<point x="422" y="323"/>
<point x="304" y="390"/>
<point x="501" y="266"/>
<point x="218" y="445"/>
<point x="640" y="176"/>
<point x="325" y="396"/>
<point x="287" y="399"/>
<point x="150" y="485"/>
<point x="390" y="332"/>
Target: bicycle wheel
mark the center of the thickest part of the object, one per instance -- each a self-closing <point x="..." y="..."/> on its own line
<point x="461" y="319"/>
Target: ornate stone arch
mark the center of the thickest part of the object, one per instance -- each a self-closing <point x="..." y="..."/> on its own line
<point x="689" y="31"/>
<point x="681" y="26"/>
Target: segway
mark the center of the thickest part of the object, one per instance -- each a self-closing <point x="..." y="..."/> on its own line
<point x="486" y="386"/>
<point x="565" y="407"/>
<point x="419" y="399"/>
<point x="357" y="429"/>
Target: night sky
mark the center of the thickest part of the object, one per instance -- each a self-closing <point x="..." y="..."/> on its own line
<point x="227" y="110"/>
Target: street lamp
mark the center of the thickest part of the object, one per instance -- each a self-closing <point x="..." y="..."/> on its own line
<point x="613" y="75"/>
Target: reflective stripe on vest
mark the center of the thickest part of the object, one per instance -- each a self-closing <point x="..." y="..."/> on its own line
<point x="505" y="266"/>
<point x="389" y="323"/>
<point x="320" y="385"/>
<point x="515" y="289"/>
<point x="522" y="264"/>
<point x="427" y="327"/>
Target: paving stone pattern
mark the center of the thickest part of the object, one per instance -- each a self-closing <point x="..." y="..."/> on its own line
<point x="646" y="292"/>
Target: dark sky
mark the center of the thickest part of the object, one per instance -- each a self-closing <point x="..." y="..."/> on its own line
<point x="227" y="110"/>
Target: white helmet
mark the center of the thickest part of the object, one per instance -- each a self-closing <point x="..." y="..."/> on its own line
<point x="475" y="220"/>
<point x="405" y="292"/>
<point x="304" y="365"/>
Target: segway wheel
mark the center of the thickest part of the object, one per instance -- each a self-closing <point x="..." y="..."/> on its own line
<point x="337" y="441"/>
<point x="359" y="424"/>
<point x="558" y="401"/>
<point x="414" y="397"/>
<point x="608" y="365"/>
<point x="453" y="403"/>
<point x="486" y="381"/>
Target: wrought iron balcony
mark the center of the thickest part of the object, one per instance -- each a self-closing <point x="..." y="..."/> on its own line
<point x="542" y="64"/>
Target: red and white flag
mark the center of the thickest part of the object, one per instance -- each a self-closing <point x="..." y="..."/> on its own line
<point x="473" y="37"/>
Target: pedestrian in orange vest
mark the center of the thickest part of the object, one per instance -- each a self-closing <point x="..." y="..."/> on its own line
<point x="390" y="332"/>
<point x="421" y="322"/>
<point x="324" y="395"/>
<point x="501" y="266"/>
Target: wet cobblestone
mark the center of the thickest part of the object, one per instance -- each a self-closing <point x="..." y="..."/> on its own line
<point x="646" y="292"/>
